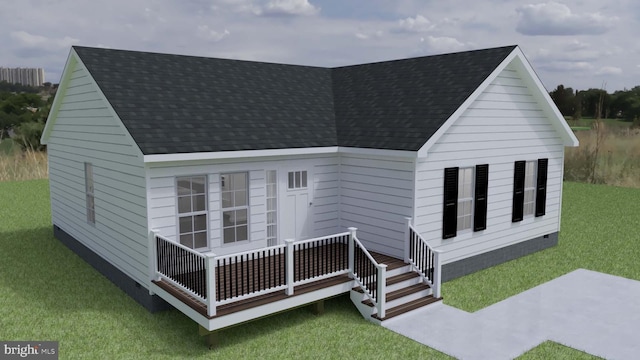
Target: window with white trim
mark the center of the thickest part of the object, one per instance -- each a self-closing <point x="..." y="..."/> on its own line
<point x="297" y="180"/>
<point x="192" y="211"/>
<point x="529" y="203"/>
<point x="465" y="198"/>
<point x="272" y="208"/>
<point x="235" y="207"/>
<point x="89" y="194"/>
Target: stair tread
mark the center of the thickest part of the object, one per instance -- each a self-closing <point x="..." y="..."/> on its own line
<point x="394" y="279"/>
<point x="400" y="293"/>
<point x="402" y="277"/>
<point x="404" y="308"/>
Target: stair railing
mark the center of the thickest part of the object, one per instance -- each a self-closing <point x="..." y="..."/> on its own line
<point x="423" y="258"/>
<point x="367" y="272"/>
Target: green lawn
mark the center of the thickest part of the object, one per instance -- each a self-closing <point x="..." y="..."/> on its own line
<point x="48" y="293"/>
<point x="586" y="122"/>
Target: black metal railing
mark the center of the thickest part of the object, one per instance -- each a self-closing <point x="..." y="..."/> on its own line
<point x="365" y="270"/>
<point x="247" y="273"/>
<point x="421" y="255"/>
<point x="320" y="257"/>
<point x="181" y="265"/>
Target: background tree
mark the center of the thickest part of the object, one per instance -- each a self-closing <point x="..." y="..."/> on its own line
<point x="564" y="98"/>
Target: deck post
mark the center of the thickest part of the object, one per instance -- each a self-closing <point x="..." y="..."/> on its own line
<point x="407" y="240"/>
<point x="289" y="266"/>
<point x="152" y="252"/>
<point x="437" y="273"/>
<point x="382" y="289"/>
<point x="210" y="278"/>
<point x="352" y="250"/>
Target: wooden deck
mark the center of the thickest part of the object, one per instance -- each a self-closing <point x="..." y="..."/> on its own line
<point x="318" y="260"/>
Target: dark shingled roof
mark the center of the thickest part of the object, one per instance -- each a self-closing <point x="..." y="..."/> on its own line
<point x="182" y="104"/>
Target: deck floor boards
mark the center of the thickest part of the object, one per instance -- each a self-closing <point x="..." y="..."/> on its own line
<point x="317" y="261"/>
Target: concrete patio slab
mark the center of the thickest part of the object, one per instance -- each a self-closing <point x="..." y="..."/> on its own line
<point x="586" y="310"/>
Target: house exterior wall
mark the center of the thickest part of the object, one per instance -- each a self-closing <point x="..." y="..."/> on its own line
<point x="376" y="194"/>
<point x="503" y="125"/>
<point x="86" y="130"/>
<point x="323" y="188"/>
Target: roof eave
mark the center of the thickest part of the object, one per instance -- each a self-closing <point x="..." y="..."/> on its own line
<point x="243" y="154"/>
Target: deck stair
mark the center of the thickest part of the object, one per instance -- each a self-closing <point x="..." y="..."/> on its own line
<point x="405" y="291"/>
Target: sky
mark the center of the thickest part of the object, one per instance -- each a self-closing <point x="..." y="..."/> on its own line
<point x="578" y="43"/>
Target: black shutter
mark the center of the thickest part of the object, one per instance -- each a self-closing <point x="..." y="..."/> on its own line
<point x="450" y="208"/>
<point x="518" y="191"/>
<point x="480" y="198"/>
<point x="541" y="187"/>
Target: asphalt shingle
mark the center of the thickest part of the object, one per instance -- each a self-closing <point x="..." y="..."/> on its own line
<point x="182" y="104"/>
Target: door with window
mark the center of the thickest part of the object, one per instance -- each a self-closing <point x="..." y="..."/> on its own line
<point x="296" y="210"/>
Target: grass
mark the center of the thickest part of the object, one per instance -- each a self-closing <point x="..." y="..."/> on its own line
<point x="17" y="165"/>
<point x="6" y="147"/>
<point x="552" y="350"/>
<point x="598" y="232"/>
<point x="618" y="160"/>
<point x="48" y="293"/>
<point x="588" y="122"/>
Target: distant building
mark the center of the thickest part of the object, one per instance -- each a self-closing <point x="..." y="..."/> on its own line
<point x="24" y="76"/>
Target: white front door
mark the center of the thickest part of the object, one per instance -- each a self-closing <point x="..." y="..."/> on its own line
<point x="297" y="203"/>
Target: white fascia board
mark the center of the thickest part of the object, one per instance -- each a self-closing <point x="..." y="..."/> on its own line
<point x="541" y="93"/>
<point x="69" y="66"/>
<point x="424" y="150"/>
<point x="163" y="158"/>
<point x="237" y="154"/>
<point x="378" y="152"/>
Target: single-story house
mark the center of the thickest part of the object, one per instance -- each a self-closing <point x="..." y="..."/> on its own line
<point x="235" y="189"/>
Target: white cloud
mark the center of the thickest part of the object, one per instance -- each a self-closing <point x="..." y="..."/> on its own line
<point x="552" y="18"/>
<point x="365" y="35"/>
<point x="208" y="34"/>
<point x="609" y="70"/>
<point x="26" y="39"/>
<point x="290" y="7"/>
<point x="417" y="24"/>
<point x="566" y="66"/>
<point x="443" y="44"/>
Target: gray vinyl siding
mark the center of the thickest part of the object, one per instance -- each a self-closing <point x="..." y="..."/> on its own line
<point x="86" y="130"/>
<point x="376" y="194"/>
<point x="503" y="125"/>
<point x="162" y="196"/>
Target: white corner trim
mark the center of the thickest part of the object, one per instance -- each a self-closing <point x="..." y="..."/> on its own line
<point x="159" y="158"/>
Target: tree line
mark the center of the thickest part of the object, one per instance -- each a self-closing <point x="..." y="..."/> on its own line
<point x="23" y="113"/>
<point x="597" y="103"/>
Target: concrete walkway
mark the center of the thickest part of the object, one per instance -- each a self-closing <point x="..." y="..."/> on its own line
<point x="586" y="310"/>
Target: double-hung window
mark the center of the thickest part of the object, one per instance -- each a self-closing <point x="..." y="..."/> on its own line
<point x="465" y="199"/>
<point x="235" y="207"/>
<point x="192" y="211"/>
<point x="529" y="189"/>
